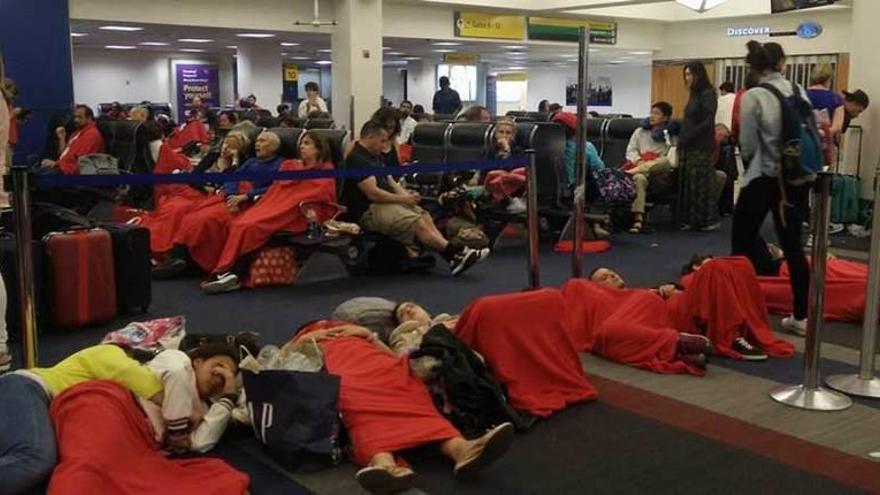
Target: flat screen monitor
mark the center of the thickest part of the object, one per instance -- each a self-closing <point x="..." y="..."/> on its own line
<point x="778" y="6"/>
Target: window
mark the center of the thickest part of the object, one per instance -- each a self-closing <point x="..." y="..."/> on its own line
<point x="462" y="78"/>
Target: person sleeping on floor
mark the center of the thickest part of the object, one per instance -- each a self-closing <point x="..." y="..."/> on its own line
<point x="723" y="301"/>
<point x="386" y="409"/>
<point x="846" y="284"/>
<point x="169" y="388"/>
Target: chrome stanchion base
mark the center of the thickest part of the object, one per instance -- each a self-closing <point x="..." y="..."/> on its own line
<point x="812" y="399"/>
<point x="853" y="385"/>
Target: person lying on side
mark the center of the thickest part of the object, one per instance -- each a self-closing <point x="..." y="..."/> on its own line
<point x="199" y="396"/>
<point x="386" y="410"/>
<point x="722" y="301"/>
<point x="27" y="439"/>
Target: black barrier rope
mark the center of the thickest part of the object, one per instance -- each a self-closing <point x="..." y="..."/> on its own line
<point x="56" y="181"/>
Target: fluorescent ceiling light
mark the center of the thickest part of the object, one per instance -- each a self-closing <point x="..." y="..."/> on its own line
<point x="255" y="35"/>
<point x="77" y="35"/>
<point x="234" y="47"/>
<point x="121" y="28"/>
<point x="325" y="50"/>
<point x="700" y="5"/>
<point x="514" y="47"/>
<point x="412" y="58"/>
<point x="153" y="43"/>
<point x="395" y="54"/>
<point x="287" y="43"/>
<point x="443" y="50"/>
<point x="446" y="43"/>
<point x="324" y="62"/>
<point x="192" y="50"/>
<point x="646" y="52"/>
<point x="300" y="58"/>
<point x="518" y="67"/>
<point x="194" y="40"/>
<point x="119" y="47"/>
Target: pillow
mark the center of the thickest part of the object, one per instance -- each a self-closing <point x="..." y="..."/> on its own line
<point x="375" y="313"/>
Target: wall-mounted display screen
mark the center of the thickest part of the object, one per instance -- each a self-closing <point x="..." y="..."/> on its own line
<point x="778" y="6"/>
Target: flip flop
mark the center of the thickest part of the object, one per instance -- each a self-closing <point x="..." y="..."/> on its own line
<point x="376" y="479"/>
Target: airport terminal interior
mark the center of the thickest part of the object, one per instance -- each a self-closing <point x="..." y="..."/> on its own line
<point x="621" y="246"/>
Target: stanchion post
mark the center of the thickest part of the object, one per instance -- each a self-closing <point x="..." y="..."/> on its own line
<point x="577" y="260"/>
<point x="532" y="222"/>
<point x="865" y="383"/>
<point x="21" y="202"/>
<point x="810" y="395"/>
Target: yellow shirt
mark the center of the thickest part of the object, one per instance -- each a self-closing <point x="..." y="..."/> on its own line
<point x="100" y="362"/>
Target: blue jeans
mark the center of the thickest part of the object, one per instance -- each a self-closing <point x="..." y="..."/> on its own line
<point x="27" y="439"/>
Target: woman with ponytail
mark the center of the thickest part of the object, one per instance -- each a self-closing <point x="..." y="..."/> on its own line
<point x="696" y="147"/>
<point x="761" y="129"/>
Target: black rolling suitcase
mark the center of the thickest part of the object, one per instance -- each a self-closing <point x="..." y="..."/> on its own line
<point x="131" y="258"/>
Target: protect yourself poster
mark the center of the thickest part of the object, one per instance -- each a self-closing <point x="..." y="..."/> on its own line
<point x="193" y="80"/>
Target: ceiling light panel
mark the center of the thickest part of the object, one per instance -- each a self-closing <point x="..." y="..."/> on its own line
<point x="121" y="28"/>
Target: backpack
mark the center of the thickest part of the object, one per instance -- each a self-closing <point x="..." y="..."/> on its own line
<point x="614" y="186"/>
<point x="801" y="157"/>
<point x="98" y="164"/>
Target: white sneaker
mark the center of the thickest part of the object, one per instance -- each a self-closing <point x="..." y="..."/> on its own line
<point x="463" y="260"/>
<point x="225" y="282"/>
<point x="795" y="326"/>
<point x="516" y="206"/>
<point x="835" y="228"/>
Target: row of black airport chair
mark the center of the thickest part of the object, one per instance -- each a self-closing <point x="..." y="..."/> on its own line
<point x="459" y="142"/>
<point x="153" y="108"/>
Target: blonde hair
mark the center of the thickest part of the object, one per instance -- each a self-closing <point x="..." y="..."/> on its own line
<point x="822" y="74"/>
<point x="240" y="141"/>
<point x="507" y="122"/>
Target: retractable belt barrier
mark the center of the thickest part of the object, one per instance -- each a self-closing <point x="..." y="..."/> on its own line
<point x="58" y="181"/>
<point x="24" y="180"/>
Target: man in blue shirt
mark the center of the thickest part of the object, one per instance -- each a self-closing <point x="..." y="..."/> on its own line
<point x="446" y="100"/>
<point x="202" y="233"/>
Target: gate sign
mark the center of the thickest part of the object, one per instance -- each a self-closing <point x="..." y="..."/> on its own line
<point x="193" y="80"/>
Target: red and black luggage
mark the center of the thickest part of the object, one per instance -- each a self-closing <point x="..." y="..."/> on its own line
<point x="82" y="277"/>
<point x="131" y="257"/>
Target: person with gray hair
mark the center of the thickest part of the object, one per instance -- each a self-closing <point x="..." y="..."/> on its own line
<point x="201" y="235"/>
<point x="139" y="113"/>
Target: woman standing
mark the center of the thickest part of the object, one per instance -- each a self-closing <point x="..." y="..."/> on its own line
<point x="696" y="145"/>
<point x="762" y="189"/>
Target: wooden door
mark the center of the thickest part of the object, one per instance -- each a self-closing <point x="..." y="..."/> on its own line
<point x="667" y="84"/>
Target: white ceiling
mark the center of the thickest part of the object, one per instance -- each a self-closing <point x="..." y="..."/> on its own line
<point x="399" y="52"/>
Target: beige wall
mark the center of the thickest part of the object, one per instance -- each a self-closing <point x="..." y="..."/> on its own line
<point x="865" y="74"/>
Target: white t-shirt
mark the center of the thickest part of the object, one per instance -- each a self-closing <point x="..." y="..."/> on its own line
<point x="407" y="127"/>
<point x="724" y="114"/>
<point x="305" y="108"/>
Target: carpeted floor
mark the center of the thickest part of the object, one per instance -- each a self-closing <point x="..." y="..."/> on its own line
<point x="596" y="447"/>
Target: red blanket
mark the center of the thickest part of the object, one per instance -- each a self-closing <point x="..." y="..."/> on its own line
<point x="629" y="326"/>
<point x="105" y="445"/>
<point x="845" y="285"/>
<point x="276" y="211"/>
<point x="525" y="339"/>
<point x="82" y="142"/>
<point x="173" y="201"/>
<point x="193" y="131"/>
<point x="384" y="408"/>
<point x="724" y="299"/>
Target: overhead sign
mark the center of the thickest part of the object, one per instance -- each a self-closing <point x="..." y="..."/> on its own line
<point x="809" y="30"/>
<point x="477" y="25"/>
<point x="460" y="58"/>
<point x="548" y="28"/>
<point x="291" y="72"/>
<point x="733" y="32"/>
<point x="512" y="76"/>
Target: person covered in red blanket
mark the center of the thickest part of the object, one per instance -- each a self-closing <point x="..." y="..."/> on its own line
<point x="386" y="410"/>
<point x="282" y="208"/>
<point x="525" y="339"/>
<point x="192" y="131"/>
<point x="85" y="140"/>
<point x="203" y="230"/>
<point x="845" y="289"/>
<point x="723" y="301"/>
<point x="174" y="201"/>
<point x="107" y="444"/>
<point x="633" y="327"/>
